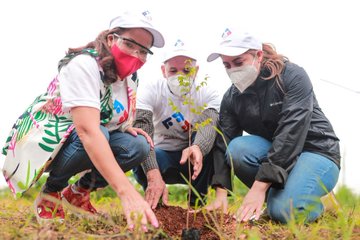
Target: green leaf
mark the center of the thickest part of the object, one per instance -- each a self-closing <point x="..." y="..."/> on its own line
<point x="50" y="133"/>
<point x="46" y="148"/>
<point x="39" y="116"/>
<point x="28" y="174"/>
<point x="49" y="141"/>
<point x="21" y="185"/>
<point x="62" y="118"/>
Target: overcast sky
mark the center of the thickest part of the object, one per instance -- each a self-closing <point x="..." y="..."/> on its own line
<point x="321" y="36"/>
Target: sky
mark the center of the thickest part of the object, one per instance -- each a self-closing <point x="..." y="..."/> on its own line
<point x="320" y="36"/>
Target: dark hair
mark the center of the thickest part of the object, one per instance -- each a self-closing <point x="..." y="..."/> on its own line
<point x="105" y="59"/>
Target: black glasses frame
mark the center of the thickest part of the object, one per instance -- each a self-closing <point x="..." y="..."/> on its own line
<point x="134" y="42"/>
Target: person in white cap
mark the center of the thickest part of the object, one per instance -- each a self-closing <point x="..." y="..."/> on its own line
<point x="290" y="156"/>
<point x="84" y="123"/>
<point x="170" y="127"/>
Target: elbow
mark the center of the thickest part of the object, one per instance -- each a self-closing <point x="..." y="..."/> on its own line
<point x="89" y="133"/>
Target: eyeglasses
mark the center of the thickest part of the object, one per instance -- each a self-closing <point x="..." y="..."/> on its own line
<point x="130" y="47"/>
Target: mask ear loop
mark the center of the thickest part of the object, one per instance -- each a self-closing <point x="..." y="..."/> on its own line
<point x="253" y="62"/>
<point x="255" y="56"/>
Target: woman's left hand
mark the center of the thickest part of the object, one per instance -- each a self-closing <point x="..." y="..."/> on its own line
<point x="135" y="131"/>
<point x="253" y="202"/>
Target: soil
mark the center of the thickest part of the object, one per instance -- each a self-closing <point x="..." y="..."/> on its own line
<point x="173" y="221"/>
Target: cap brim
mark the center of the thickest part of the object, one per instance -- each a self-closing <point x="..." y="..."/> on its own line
<point x="173" y="54"/>
<point x="227" y="51"/>
<point x="130" y="20"/>
<point x="159" y="41"/>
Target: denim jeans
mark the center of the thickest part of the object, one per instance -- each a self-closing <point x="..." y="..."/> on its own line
<point x="129" y="152"/>
<point x="171" y="170"/>
<point x="312" y="177"/>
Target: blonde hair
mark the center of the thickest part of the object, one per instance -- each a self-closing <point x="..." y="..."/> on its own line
<point x="273" y="63"/>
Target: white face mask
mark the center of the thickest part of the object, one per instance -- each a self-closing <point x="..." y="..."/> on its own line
<point x="174" y="85"/>
<point x="242" y="77"/>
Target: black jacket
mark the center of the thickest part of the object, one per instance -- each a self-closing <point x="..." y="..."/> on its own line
<point x="291" y="119"/>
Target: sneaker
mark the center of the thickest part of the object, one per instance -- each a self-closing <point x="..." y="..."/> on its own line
<point x="48" y="207"/>
<point x="79" y="198"/>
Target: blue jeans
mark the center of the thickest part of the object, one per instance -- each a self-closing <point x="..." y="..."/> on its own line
<point x="171" y="170"/>
<point x="129" y="152"/>
<point x="312" y="177"/>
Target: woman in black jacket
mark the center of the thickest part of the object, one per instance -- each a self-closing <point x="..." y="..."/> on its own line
<point x="290" y="155"/>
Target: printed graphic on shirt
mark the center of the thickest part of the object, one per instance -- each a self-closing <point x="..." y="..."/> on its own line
<point x="120" y="111"/>
<point x="123" y="98"/>
<point x="178" y="118"/>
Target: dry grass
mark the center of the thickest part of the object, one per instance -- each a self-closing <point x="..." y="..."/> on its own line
<point x="17" y="221"/>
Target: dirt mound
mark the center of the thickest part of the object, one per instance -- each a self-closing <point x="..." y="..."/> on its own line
<point x="173" y="220"/>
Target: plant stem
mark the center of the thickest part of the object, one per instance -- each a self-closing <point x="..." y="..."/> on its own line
<point x="189" y="171"/>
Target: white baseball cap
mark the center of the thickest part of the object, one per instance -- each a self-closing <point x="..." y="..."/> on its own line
<point x="235" y="43"/>
<point x="138" y="20"/>
<point x="178" y="49"/>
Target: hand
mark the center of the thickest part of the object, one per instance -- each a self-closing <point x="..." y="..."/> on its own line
<point x="136" y="210"/>
<point x="135" y="131"/>
<point x="196" y="158"/>
<point x="156" y="189"/>
<point x="220" y="201"/>
<point x="253" y="202"/>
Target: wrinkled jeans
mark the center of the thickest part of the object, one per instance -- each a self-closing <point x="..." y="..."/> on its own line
<point x="129" y="152"/>
<point x="312" y="177"/>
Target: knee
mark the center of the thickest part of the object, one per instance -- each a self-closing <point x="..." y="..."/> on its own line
<point x="279" y="211"/>
<point x="298" y="210"/>
<point x="142" y="148"/>
<point x="235" y="155"/>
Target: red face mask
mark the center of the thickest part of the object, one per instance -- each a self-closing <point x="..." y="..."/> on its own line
<point x="125" y="64"/>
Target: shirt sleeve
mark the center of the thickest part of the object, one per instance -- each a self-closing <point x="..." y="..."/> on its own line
<point x="212" y="98"/>
<point x="144" y="121"/>
<point x="206" y="134"/>
<point x="228" y="129"/>
<point x="146" y="96"/>
<point x="80" y="83"/>
<point x="290" y="135"/>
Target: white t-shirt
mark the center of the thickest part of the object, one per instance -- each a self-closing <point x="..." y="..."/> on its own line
<point x="81" y="84"/>
<point x="171" y="127"/>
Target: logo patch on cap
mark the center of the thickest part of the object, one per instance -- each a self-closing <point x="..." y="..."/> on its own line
<point x="147" y="15"/>
<point x="226" y="33"/>
<point x="179" y="43"/>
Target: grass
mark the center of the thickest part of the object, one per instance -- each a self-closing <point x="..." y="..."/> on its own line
<point x="17" y="220"/>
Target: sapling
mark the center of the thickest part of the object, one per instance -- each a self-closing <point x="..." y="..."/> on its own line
<point x="187" y="86"/>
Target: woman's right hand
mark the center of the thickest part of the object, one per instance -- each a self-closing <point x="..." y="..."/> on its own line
<point x="137" y="210"/>
<point x="251" y="207"/>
